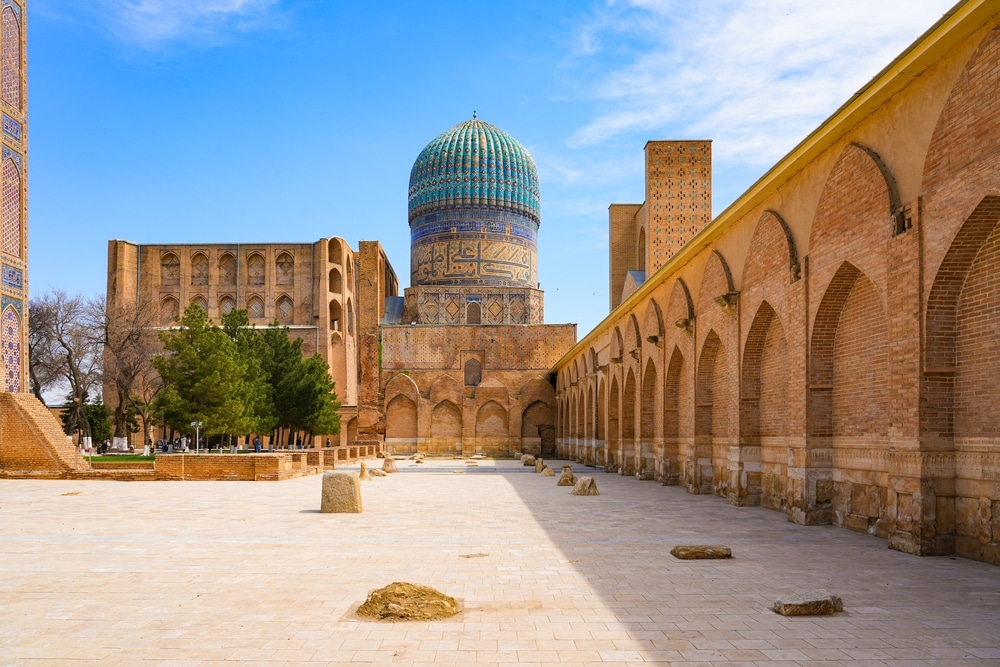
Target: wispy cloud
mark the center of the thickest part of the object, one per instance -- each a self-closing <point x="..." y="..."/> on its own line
<point x="754" y="75"/>
<point x="158" y="24"/>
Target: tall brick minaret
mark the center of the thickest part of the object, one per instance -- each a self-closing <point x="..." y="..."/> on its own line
<point x="643" y="237"/>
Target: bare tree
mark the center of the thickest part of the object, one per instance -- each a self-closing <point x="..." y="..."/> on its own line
<point x="44" y="368"/>
<point x="65" y="333"/>
<point x="130" y="341"/>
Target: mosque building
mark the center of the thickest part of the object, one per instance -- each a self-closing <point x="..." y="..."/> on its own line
<point x="445" y="359"/>
<point x="825" y="347"/>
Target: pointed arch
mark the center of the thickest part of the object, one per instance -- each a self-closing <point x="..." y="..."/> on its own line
<point x="170" y="270"/>
<point x="848" y="368"/>
<point x="491" y="421"/>
<point x="11" y="349"/>
<point x="710" y="415"/>
<point x="959" y="389"/>
<point x="473" y="313"/>
<point x="227" y="270"/>
<point x="641" y="250"/>
<point x="335" y="251"/>
<point x="401" y="423"/>
<point x="199" y="270"/>
<point x="672" y="417"/>
<point x="255" y="307"/>
<point x="226" y="304"/>
<point x="170" y="310"/>
<point x="764" y="416"/>
<point x="446" y="427"/>
<point x="256" y="270"/>
<point x="284" y="269"/>
<point x="402" y="384"/>
<point x="336" y="282"/>
<point x="285" y="309"/>
<point x="201" y="302"/>
<point x="336" y="316"/>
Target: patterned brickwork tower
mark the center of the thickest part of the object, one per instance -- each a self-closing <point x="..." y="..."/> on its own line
<point x="678" y="205"/>
<point x="30" y="438"/>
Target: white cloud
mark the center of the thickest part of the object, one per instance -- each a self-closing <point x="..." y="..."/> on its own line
<point x="156" y="24"/>
<point x="754" y="75"/>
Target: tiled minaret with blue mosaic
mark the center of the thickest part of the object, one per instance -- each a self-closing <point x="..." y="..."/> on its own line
<point x="474" y="216"/>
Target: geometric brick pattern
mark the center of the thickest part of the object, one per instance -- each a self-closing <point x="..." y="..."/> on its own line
<point x="11" y="226"/>
<point x="11" y="39"/>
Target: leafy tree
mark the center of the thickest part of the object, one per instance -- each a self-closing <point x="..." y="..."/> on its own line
<point x="256" y="393"/>
<point x="302" y="390"/>
<point x="204" y="381"/>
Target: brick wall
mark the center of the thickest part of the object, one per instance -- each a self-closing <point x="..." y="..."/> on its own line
<point x="850" y="376"/>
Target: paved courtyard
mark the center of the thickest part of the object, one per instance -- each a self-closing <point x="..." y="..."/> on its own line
<point x="244" y="573"/>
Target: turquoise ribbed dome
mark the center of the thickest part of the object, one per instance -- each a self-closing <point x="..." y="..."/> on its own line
<point x="474" y="164"/>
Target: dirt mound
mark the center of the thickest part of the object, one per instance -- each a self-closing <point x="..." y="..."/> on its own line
<point x="400" y="601"/>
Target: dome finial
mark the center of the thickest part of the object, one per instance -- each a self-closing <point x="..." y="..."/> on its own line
<point x="473" y="114"/>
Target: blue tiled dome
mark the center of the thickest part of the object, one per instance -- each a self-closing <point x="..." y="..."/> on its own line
<point x="474" y="164"/>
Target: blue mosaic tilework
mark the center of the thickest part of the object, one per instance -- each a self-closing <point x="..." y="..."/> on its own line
<point x="13" y="277"/>
<point x="14" y="6"/>
<point x="12" y="128"/>
<point x="10" y="348"/>
<point x="474" y="164"/>
<point x="14" y="303"/>
<point x="13" y="155"/>
<point x="473" y="222"/>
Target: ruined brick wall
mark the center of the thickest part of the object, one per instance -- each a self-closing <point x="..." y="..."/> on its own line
<point x="32" y="440"/>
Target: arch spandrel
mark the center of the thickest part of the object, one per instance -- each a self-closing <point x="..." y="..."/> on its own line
<point x="493" y="389"/>
<point x="402" y="385"/>
<point x="446" y="388"/>
<point x="963" y="159"/>
<point x="853" y="221"/>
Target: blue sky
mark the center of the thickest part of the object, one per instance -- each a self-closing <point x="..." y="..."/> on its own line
<point x="189" y="121"/>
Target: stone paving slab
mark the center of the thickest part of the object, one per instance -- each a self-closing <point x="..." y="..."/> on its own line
<point x="244" y="573"/>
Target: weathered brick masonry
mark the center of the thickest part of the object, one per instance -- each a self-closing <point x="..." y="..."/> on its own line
<point x="829" y="346"/>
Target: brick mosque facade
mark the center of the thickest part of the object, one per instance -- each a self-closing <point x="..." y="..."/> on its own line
<point x="828" y="345"/>
<point x="310" y="288"/>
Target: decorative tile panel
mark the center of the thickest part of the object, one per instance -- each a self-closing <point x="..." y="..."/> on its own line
<point x="12" y="128"/>
<point x="10" y="209"/>
<point x="13" y="277"/>
<point x="10" y="348"/>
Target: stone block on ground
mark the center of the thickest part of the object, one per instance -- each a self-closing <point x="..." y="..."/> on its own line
<point x="701" y="551"/>
<point x="401" y="601"/>
<point x="539" y="466"/>
<point x="585" y="486"/>
<point x="567" y="478"/>
<point x="819" y="602"/>
<point x="389" y="464"/>
<point x="375" y="472"/>
<point x="364" y="472"/>
<point x="527" y="460"/>
<point x="548" y="472"/>
<point x="341" y="493"/>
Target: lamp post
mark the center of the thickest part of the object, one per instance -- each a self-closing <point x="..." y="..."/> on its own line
<point x="197" y="432"/>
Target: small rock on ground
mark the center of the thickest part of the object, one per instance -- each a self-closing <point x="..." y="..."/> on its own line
<point x="700" y="551"/>
<point x="820" y="602"/>
<point x="401" y="601"/>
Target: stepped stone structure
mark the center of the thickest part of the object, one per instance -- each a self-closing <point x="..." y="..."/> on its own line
<point x="827" y="345"/>
<point x="30" y="438"/>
